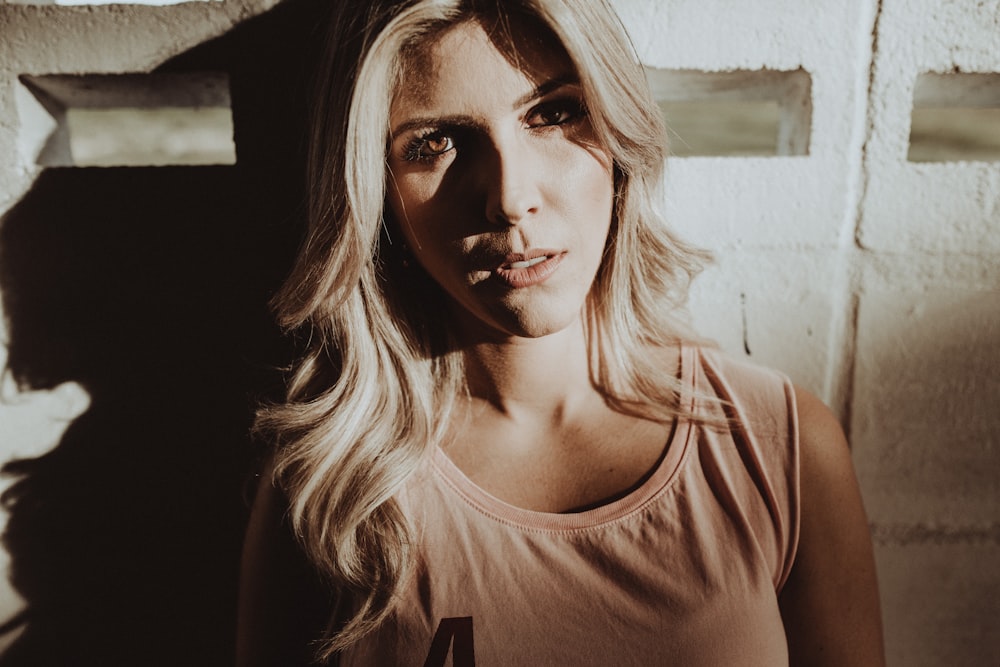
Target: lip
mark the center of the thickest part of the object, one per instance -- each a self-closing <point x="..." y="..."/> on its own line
<point x="529" y="268"/>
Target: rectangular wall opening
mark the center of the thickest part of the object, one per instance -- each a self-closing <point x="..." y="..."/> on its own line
<point x="127" y="120"/>
<point x="738" y="113"/>
<point x="956" y="117"/>
<point x="71" y="3"/>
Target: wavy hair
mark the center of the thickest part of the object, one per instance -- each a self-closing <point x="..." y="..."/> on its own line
<point x="375" y="388"/>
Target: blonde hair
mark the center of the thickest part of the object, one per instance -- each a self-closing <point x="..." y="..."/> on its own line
<point x="374" y="392"/>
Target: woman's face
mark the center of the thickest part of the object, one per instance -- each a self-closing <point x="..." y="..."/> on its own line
<point x="498" y="183"/>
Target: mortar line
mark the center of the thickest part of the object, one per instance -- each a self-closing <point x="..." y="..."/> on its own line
<point x="842" y="357"/>
<point x="919" y="533"/>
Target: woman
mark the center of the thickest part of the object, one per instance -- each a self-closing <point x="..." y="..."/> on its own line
<point x="502" y="445"/>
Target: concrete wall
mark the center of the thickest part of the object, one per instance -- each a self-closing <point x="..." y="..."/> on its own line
<point x="871" y="280"/>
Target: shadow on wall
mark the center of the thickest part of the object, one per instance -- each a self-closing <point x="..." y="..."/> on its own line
<point x="149" y="287"/>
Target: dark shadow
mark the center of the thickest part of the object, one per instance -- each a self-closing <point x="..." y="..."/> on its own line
<point x="149" y="288"/>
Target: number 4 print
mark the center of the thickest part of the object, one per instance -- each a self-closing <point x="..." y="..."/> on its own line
<point x="456" y="634"/>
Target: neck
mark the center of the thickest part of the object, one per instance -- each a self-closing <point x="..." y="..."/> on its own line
<point x="542" y="377"/>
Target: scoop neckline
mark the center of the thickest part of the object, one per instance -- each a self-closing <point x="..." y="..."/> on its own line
<point x="654" y="484"/>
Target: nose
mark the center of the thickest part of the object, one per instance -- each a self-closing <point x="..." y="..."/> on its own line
<point x="512" y="187"/>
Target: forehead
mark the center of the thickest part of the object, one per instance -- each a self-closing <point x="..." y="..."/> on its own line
<point x="474" y="58"/>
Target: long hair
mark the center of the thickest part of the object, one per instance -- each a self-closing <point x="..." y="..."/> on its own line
<point x="374" y="391"/>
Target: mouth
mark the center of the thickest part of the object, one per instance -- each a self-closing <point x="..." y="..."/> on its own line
<point x="525" y="264"/>
<point x="529" y="268"/>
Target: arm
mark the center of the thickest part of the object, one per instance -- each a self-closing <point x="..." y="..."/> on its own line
<point x="830" y="603"/>
<point x="282" y="605"/>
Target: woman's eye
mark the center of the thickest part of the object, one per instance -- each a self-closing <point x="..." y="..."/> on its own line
<point x="556" y="113"/>
<point x="428" y="146"/>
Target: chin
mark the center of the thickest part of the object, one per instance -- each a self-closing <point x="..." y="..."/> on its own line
<point x="537" y="327"/>
<point x="533" y="319"/>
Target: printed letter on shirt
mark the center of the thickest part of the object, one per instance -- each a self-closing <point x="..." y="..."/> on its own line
<point x="456" y="634"/>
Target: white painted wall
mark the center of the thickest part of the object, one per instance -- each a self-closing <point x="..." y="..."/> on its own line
<point x="873" y="281"/>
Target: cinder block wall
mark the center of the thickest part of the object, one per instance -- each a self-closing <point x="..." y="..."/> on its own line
<point x="871" y="280"/>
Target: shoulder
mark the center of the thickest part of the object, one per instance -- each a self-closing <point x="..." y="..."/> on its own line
<point x="739" y="377"/>
<point x="283" y="605"/>
<point x="827" y="473"/>
<point x="758" y="389"/>
<point x="830" y="601"/>
<point x="821" y="436"/>
<point x="755" y="398"/>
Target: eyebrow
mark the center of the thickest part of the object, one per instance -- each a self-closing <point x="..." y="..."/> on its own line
<point x="545" y="88"/>
<point x="461" y="120"/>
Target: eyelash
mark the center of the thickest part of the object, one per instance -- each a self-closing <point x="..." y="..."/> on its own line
<point x="413" y="150"/>
<point x="573" y="107"/>
<point x="570" y="109"/>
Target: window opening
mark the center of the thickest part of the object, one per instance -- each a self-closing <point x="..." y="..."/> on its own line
<point x="737" y="113"/>
<point x="955" y="117"/>
<point x="71" y="3"/>
<point x="127" y="120"/>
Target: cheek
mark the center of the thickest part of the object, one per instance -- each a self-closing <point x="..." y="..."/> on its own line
<point x="418" y="219"/>
<point x="590" y="187"/>
<point x="417" y="206"/>
<point x="601" y="177"/>
<point x="588" y="169"/>
<point x="406" y="202"/>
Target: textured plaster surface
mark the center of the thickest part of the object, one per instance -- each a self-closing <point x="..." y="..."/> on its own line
<point x="870" y="280"/>
<point x="947" y="586"/>
<point x="918" y="207"/>
<point x="925" y="423"/>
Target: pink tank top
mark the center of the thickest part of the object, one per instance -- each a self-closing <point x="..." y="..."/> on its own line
<point x="685" y="570"/>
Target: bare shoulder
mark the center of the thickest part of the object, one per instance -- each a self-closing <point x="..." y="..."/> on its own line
<point x="816" y="421"/>
<point x="282" y="604"/>
<point x="830" y="604"/>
